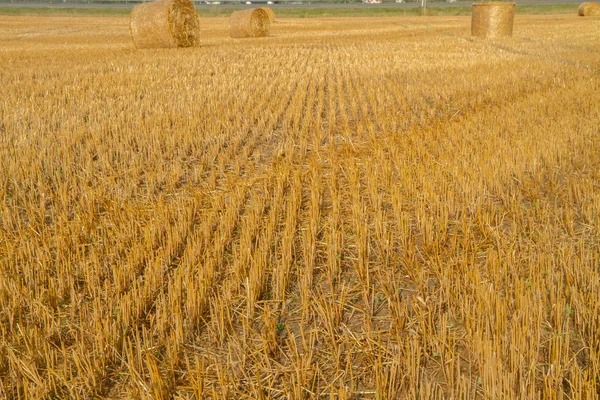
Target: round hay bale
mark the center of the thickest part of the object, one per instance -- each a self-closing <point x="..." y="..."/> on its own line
<point x="270" y="12"/>
<point x="249" y="23"/>
<point x="165" y="23"/>
<point x="492" y="19"/>
<point x="589" y="9"/>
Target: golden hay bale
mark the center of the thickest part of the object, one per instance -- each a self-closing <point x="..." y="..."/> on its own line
<point x="165" y="23"/>
<point x="492" y="19"/>
<point x="589" y="9"/>
<point x="270" y="12"/>
<point x="249" y="23"/>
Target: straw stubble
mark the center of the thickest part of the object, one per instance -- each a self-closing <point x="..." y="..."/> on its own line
<point x="310" y="212"/>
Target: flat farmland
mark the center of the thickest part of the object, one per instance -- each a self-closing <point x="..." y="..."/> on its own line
<point x="377" y="208"/>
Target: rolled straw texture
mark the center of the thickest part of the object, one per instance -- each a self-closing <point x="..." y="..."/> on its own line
<point x="249" y="23"/>
<point x="165" y="24"/>
<point x="269" y="12"/>
<point x="589" y="9"/>
<point x="492" y="19"/>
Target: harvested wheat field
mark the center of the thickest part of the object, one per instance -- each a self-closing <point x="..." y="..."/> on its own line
<point x="352" y="208"/>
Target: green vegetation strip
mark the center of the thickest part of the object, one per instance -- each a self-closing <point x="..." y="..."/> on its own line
<point x="302" y="12"/>
<point x="65" y="11"/>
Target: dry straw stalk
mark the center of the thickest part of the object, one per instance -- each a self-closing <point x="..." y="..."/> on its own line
<point x="492" y="19"/>
<point x="249" y="23"/>
<point x="589" y="9"/>
<point x="165" y="23"/>
<point x="269" y="12"/>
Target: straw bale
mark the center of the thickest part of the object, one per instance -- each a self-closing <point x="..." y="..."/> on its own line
<point x="165" y="23"/>
<point x="270" y="12"/>
<point x="589" y="9"/>
<point x="492" y="19"/>
<point x="249" y="23"/>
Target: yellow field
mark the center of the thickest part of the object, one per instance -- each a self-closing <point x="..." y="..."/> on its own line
<point x="352" y="208"/>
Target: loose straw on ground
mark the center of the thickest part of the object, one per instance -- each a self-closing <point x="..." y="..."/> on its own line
<point x="249" y="23"/>
<point x="492" y="19"/>
<point x="165" y="23"/>
<point x="589" y="9"/>
<point x="269" y="12"/>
